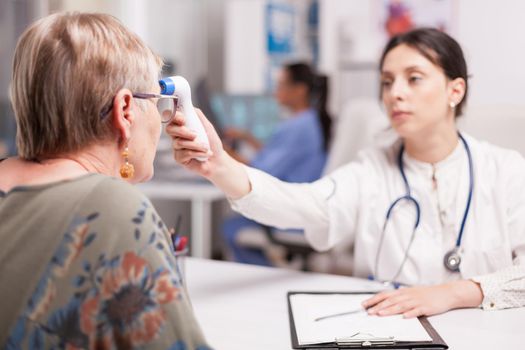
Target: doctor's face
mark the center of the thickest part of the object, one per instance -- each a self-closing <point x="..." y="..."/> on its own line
<point x="415" y="92"/>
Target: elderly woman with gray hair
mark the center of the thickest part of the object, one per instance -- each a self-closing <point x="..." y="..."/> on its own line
<point x="85" y="260"/>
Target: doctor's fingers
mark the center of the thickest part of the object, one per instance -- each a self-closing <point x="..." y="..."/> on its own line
<point x="174" y="130"/>
<point x="379" y="297"/>
<point x="179" y="144"/>
<point x="178" y="119"/>
<point x="391" y="303"/>
<point x="399" y="307"/>
<point x="185" y="156"/>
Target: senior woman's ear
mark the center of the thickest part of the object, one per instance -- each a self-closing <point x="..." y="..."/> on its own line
<point x="123" y="113"/>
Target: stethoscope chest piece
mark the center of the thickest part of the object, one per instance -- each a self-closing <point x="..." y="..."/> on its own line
<point x="452" y="260"/>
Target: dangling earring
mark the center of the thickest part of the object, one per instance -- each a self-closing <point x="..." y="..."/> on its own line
<point x="452" y="105"/>
<point x="127" y="169"/>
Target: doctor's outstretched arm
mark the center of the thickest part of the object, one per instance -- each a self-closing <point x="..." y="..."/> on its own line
<point x="221" y="169"/>
<point x="254" y="193"/>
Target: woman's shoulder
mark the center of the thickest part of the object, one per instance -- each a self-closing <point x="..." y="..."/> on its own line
<point x="301" y="121"/>
<point x="301" y="129"/>
<point x="119" y="196"/>
<point x="107" y="186"/>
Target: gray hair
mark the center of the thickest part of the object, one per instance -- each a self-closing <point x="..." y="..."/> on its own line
<point x="67" y="68"/>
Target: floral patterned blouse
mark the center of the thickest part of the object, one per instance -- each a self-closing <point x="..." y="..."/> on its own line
<point x="88" y="264"/>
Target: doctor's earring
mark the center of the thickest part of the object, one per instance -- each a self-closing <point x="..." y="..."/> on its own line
<point x="127" y="169"/>
<point x="452" y="105"/>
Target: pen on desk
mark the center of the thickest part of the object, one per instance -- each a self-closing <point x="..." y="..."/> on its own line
<point x="175" y="236"/>
<point x="177" y="224"/>
<point x="356" y="311"/>
<point x="179" y="248"/>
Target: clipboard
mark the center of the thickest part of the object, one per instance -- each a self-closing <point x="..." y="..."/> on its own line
<point x="364" y="341"/>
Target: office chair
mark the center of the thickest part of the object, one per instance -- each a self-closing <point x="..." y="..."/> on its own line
<point x="294" y="247"/>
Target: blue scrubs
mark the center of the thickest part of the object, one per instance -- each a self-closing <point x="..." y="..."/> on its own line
<point x="294" y="153"/>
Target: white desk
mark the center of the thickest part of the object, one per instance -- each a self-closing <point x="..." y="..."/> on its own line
<point x="201" y="195"/>
<point x="244" y="307"/>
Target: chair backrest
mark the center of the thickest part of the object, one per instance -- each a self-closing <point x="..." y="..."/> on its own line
<point x="359" y="125"/>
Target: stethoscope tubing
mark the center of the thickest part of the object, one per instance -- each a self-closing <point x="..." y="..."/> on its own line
<point x="408" y="197"/>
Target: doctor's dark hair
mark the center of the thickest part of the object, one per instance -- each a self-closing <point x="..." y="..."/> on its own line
<point x="438" y="47"/>
<point x="317" y="85"/>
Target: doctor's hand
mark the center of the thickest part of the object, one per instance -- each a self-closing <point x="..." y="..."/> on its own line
<point x="425" y="300"/>
<point x="221" y="169"/>
<point x="185" y="148"/>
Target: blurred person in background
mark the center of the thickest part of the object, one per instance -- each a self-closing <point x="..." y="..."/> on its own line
<point x="296" y="152"/>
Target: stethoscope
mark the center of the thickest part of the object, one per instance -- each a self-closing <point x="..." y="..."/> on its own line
<point x="452" y="258"/>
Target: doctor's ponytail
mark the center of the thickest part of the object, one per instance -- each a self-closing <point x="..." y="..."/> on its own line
<point x="318" y="94"/>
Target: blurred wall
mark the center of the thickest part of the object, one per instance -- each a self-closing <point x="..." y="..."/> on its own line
<point x="245" y="56"/>
<point x="248" y="66"/>
<point x="491" y="33"/>
<point x="176" y="30"/>
<point x="15" y="15"/>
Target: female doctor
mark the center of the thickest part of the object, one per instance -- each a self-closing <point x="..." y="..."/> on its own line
<point x="437" y="210"/>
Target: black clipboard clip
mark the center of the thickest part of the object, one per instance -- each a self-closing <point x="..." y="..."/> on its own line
<point x="363" y="340"/>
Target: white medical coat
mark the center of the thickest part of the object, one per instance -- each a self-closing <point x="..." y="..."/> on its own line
<point x="351" y="204"/>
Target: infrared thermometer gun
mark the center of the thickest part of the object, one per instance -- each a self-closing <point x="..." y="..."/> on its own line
<point x="178" y="86"/>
